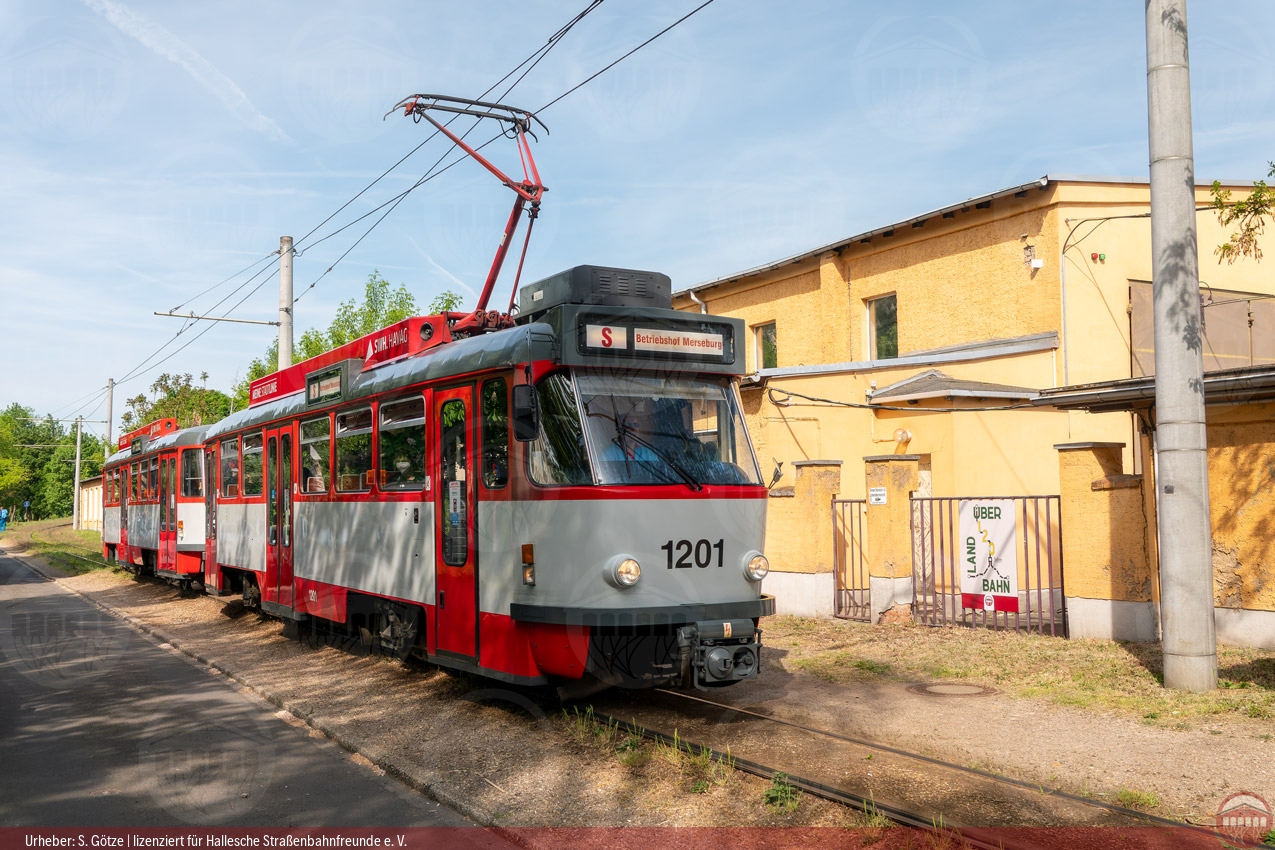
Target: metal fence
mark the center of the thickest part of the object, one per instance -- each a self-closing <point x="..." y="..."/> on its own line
<point x="850" y="567"/>
<point x="938" y="556"/>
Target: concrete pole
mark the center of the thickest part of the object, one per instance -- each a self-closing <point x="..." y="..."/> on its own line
<point x="285" y="302"/>
<point x="110" y="416"/>
<point x="1182" y="491"/>
<point x="75" y="508"/>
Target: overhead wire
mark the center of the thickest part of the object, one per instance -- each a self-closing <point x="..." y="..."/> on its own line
<point x="534" y="58"/>
<point x="431" y="174"/>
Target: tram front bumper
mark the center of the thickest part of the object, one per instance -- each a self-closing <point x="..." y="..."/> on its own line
<point x="719" y="652"/>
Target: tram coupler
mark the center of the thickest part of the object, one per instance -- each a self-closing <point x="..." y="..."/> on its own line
<point x="719" y="652"/>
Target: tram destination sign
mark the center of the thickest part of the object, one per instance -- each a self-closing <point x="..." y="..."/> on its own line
<point x="660" y="339"/>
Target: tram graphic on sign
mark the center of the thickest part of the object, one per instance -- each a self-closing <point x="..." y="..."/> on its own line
<point x="988" y="555"/>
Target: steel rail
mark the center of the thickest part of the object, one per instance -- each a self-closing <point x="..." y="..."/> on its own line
<point x="1149" y="819"/>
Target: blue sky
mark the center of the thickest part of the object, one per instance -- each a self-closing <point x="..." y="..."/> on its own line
<point x="150" y="150"/>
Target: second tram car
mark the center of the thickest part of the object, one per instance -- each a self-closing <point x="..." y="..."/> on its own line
<point x="573" y="499"/>
<point x="154" y="515"/>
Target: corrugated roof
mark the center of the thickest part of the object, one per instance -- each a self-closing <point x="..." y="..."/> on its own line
<point x="1231" y="386"/>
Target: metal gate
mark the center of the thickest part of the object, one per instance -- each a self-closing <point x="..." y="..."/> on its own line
<point x="850" y="567"/>
<point x="937" y="559"/>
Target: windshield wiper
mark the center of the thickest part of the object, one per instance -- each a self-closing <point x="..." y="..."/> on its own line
<point x="686" y="476"/>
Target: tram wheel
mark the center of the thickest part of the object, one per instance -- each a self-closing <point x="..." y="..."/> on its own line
<point x="251" y="593"/>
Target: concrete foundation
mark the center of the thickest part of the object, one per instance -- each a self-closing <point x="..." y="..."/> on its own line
<point x="1240" y="627"/>
<point x="885" y="593"/>
<point x="1106" y="619"/>
<point x="801" y="594"/>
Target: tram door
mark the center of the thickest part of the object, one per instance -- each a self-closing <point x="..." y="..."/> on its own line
<point x="126" y="499"/>
<point x="278" y="516"/>
<point x="455" y="561"/>
<point x="211" y="572"/>
<point x="280" y="481"/>
<point x="167" y="515"/>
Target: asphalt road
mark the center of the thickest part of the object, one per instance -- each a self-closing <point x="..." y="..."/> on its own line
<point x="99" y="726"/>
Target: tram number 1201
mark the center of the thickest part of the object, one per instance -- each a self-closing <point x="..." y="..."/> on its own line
<point x="681" y="553"/>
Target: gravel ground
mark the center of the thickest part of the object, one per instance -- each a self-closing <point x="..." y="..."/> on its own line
<point x="464" y="740"/>
<point x="467" y="741"/>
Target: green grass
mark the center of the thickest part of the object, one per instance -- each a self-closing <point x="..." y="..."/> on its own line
<point x="54" y="541"/>
<point x="782" y="794"/>
<point x="1141" y="800"/>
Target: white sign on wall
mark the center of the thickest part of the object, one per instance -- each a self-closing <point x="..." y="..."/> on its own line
<point x="988" y="554"/>
<point x="876" y="495"/>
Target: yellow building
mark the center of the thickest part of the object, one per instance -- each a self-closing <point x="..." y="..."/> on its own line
<point x="927" y="340"/>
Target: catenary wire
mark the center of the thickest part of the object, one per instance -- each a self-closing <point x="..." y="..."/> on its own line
<point x="147" y="365"/>
<point x="431" y="174"/>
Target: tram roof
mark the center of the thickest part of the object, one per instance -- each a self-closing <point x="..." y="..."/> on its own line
<point x="520" y="344"/>
<point x="177" y="439"/>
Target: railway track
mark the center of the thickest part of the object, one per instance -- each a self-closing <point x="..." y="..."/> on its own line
<point x="1022" y="815"/>
<point x="737" y="729"/>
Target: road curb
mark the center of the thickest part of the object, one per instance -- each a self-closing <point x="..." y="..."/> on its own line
<point x="421" y="781"/>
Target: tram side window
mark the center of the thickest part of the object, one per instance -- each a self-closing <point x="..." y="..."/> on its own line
<point x="134" y="483"/>
<point x="495" y="412"/>
<point x="230" y="468"/>
<point x="192" y="474"/>
<point x="402" y="444"/>
<point x="557" y="455"/>
<point x="253" y="474"/>
<point x="453" y="435"/>
<point x="154" y="485"/>
<point x="354" y="450"/>
<point x="316" y="454"/>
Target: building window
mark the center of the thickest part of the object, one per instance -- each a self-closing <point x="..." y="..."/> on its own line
<point x="767" y="346"/>
<point x="883" y="328"/>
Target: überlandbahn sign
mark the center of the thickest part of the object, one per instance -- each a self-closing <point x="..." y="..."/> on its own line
<point x="989" y="554"/>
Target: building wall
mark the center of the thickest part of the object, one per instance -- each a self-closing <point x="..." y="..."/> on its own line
<point x="1241" y="443"/>
<point x="91" y="504"/>
<point x="963" y="278"/>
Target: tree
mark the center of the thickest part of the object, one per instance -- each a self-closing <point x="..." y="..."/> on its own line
<point x="1249" y="215"/>
<point x="382" y="305"/>
<point x="13" y="474"/>
<point x="37" y="462"/>
<point x="176" y="397"/>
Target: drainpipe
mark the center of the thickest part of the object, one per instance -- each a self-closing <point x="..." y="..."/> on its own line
<point x="703" y="308"/>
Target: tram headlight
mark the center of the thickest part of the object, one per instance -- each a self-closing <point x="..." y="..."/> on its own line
<point x="623" y="571"/>
<point x="755" y="566"/>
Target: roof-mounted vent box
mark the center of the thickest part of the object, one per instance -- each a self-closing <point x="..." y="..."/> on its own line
<point x="597" y="285"/>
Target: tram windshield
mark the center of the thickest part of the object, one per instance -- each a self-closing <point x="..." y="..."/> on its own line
<point x="641" y="429"/>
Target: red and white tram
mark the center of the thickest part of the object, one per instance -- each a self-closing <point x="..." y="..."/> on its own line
<point x="572" y="498"/>
<point x="153" y="512"/>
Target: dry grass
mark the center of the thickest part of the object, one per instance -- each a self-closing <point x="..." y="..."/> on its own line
<point x="1122" y="678"/>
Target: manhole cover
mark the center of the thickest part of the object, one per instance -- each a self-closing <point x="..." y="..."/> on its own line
<point x="951" y="689"/>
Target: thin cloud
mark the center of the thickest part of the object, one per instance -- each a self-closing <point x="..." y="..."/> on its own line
<point x="159" y="40"/>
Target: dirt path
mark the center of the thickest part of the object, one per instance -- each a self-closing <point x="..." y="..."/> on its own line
<point x="509" y="757"/>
